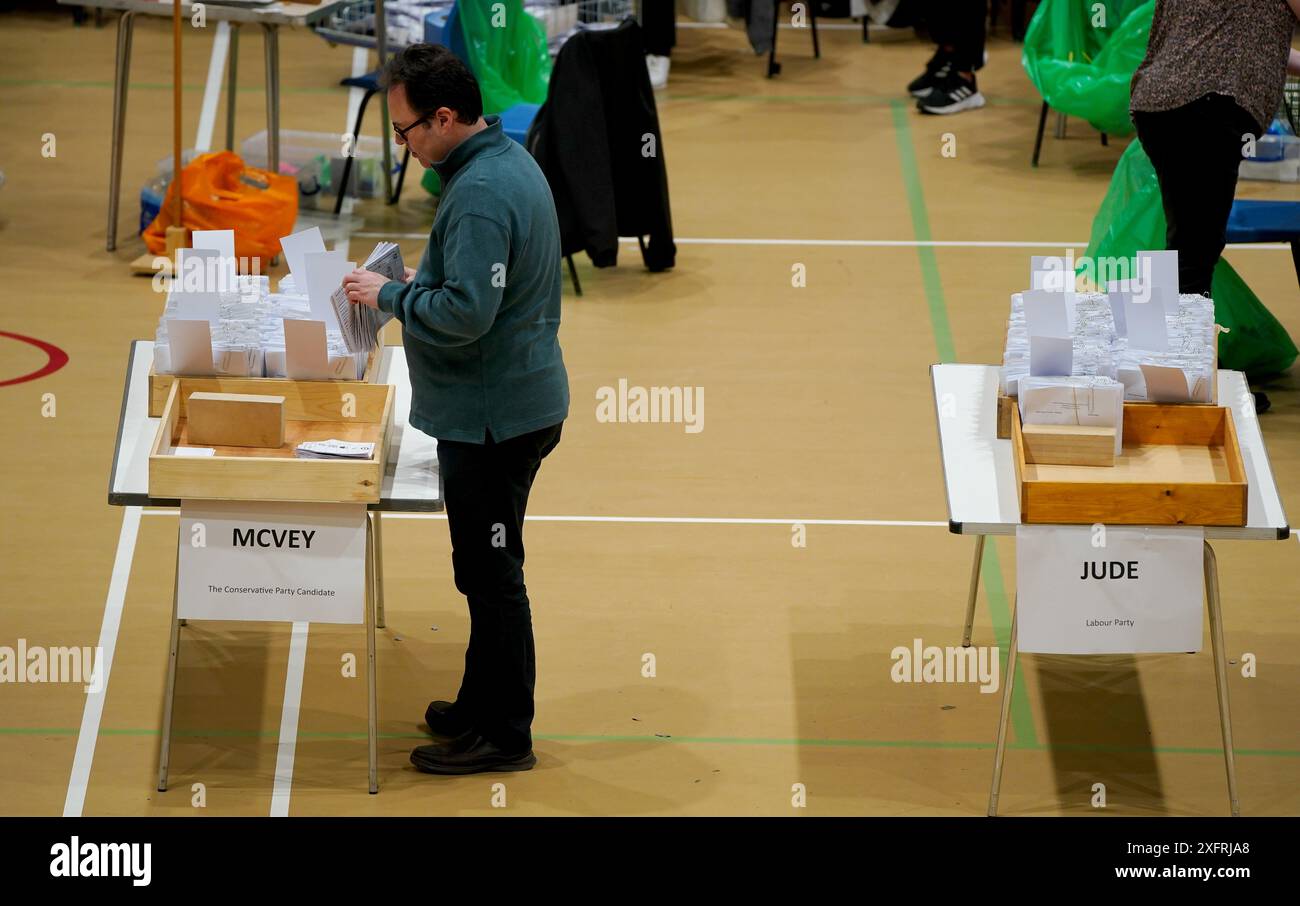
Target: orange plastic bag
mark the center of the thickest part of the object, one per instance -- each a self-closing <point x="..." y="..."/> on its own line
<point x="220" y="193"/>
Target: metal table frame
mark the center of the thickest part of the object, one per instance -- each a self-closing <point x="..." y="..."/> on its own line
<point x="411" y="483"/>
<point x="269" y="17"/>
<point x="982" y="495"/>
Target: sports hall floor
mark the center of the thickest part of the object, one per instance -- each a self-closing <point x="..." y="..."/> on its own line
<point x="773" y="662"/>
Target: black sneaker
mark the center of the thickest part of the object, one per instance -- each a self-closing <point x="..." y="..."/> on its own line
<point x="469" y="754"/>
<point x="938" y="69"/>
<point x="953" y="95"/>
<point x="444" y="720"/>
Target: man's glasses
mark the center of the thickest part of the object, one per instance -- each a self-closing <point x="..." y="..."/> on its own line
<point x="401" y="133"/>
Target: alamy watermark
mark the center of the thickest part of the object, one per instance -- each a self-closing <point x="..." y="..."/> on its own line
<point x="23" y="663"/>
<point x="625" y="404"/>
<point x="952" y="664"/>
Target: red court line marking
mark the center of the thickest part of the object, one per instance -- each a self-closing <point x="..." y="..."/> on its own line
<point x="57" y="358"/>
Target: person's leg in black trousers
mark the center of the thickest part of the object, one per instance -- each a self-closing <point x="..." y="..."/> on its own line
<point x="485" y="489"/>
<point x="1196" y="152"/>
<point x="659" y="31"/>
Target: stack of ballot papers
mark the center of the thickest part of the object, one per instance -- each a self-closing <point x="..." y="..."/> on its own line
<point x="334" y="449"/>
<point x="247" y="336"/>
<point x="1160" y="348"/>
<point x="341" y="364"/>
<point x="1083" y="400"/>
<point x="360" y="324"/>
<point x="233" y="317"/>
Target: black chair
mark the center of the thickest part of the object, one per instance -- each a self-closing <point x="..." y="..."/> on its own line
<point x="773" y="67"/>
<point x="369" y="83"/>
<point x="1060" y="133"/>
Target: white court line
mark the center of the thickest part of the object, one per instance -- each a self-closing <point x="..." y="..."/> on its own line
<point x="88" y="735"/>
<point x="857" y="243"/>
<point x="289" y="721"/>
<point x="671" y="520"/>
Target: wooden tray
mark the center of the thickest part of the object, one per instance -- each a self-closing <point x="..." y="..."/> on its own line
<point x="161" y="384"/>
<point x="313" y="410"/>
<point x="1181" y="465"/>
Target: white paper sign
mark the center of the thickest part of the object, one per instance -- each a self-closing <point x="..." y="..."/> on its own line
<point x="1051" y="356"/>
<point x="1046" y="313"/>
<point x="297" y="245"/>
<point x="1052" y="273"/>
<point x="190" y="346"/>
<point x="325" y="273"/>
<point x="1145" y="322"/>
<point x="197" y="287"/>
<point x="1118" y="299"/>
<point x="1165" y="384"/>
<point x="300" y="562"/>
<point x="305" y="355"/>
<point x="1159" y="271"/>
<point x="224" y="243"/>
<point x="1108" y="589"/>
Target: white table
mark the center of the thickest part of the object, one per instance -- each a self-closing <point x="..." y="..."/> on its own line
<point x="983" y="499"/>
<point x="411" y="483"/>
<point x="270" y="17"/>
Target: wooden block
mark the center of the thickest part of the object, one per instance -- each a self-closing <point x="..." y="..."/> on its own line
<point x="178" y="237"/>
<point x="235" y="420"/>
<point x="1069" y="445"/>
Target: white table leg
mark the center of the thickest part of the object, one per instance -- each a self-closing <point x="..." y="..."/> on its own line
<point x="271" y="37"/>
<point x="380" y="621"/>
<point x="381" y="44"/>
<point x="1221" y="672"/>
<point x="1007" y="688"/>
<point x="232" y="85"/>
<point x="169" y="697"/>
<point x="372" y="722"/>
<point x="974" y="590"/>
<point x="121" y="83"/>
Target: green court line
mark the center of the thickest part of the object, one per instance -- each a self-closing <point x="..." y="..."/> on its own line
<point x="1022" y="716"/>
<point x="1033" y="746"/>
<point x="921" y="228"/>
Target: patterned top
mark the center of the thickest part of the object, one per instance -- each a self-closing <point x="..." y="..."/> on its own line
<point x="1238" y="48"/>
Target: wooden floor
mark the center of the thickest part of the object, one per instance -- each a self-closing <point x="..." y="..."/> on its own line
<point x="772" y="661"/>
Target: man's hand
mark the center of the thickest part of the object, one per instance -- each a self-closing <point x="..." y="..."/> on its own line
<point x="408" y="275"/>
<point x="362" y="287"/>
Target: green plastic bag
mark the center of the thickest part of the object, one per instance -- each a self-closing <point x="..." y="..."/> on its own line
<point x="507" y="51"/>
<point x="1132" y="218"/>
<point x="1081" y="57"/>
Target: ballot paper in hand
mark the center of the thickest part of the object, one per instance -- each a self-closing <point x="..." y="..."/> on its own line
<point x="360" y="324"/>
<point x="1091" y="401"/>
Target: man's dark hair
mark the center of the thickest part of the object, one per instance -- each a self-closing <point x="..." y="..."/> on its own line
<point x="435" y="77"/>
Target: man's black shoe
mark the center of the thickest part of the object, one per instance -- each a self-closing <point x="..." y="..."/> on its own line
<point x="952" y="95"/>
<point x="469" y="754"/>
<point x="444" y="720"/>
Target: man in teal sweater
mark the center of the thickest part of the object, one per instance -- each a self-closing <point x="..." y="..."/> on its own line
<point x="480" y="318"/>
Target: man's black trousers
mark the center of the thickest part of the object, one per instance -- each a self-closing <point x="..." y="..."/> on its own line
<point x="485" y="489"/>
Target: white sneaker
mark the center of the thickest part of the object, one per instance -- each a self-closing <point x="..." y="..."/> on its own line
<point x="657" y="66"/>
